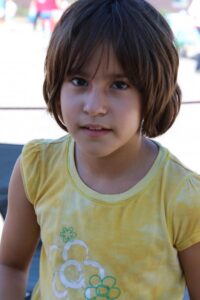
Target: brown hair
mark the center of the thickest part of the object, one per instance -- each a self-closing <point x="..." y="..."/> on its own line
<point x="144" y="46"/>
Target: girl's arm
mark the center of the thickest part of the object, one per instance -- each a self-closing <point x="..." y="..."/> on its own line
<point x="19" y="240"/>
<point x="190" y="261"/>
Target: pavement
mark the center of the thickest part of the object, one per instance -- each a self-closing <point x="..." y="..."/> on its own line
<point x="23" y="116"/>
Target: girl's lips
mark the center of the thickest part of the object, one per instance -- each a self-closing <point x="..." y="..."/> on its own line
<point x="93" y="126"/>
<point x="95" y="131"/>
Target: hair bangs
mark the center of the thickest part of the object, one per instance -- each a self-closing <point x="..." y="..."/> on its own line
<point x="84" y="41"/>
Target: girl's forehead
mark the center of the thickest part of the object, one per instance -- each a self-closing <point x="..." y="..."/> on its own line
<point x="103" y="61"/>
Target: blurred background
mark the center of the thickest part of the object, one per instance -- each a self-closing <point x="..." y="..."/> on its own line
<point x="25" y="29"/>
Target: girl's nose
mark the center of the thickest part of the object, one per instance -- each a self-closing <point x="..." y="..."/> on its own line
<point x="95" y="103"/>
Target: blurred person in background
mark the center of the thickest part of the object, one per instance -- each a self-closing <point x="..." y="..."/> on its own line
<point x="43" y="10"/>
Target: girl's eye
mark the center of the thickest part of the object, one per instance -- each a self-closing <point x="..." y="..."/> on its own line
<point x="120" y="85"/>
<point x="79" y="82"/>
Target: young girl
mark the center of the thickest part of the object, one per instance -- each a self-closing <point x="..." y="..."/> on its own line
<point x="118" y="215"/>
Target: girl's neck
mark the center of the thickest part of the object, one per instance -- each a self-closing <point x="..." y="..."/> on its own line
<point x="118" y="172"/>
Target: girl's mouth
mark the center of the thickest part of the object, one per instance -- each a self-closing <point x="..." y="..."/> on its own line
<point x="95" y="131"/>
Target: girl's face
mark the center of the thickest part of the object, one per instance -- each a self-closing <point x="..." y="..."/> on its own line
<point x="100" y="108"/>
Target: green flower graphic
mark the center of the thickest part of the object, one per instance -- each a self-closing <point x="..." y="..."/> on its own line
<point x="102" y="289"/>
<point x="67" y="234"/>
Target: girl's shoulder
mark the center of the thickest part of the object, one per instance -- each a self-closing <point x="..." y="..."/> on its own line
<point x="180" y="171"/>
<point x="173" y="168"/>
<point x="40" y="145"/>
<point x="177" y="179"/>
<point x="41" y="153"/>
<point x="39" y="160"/>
